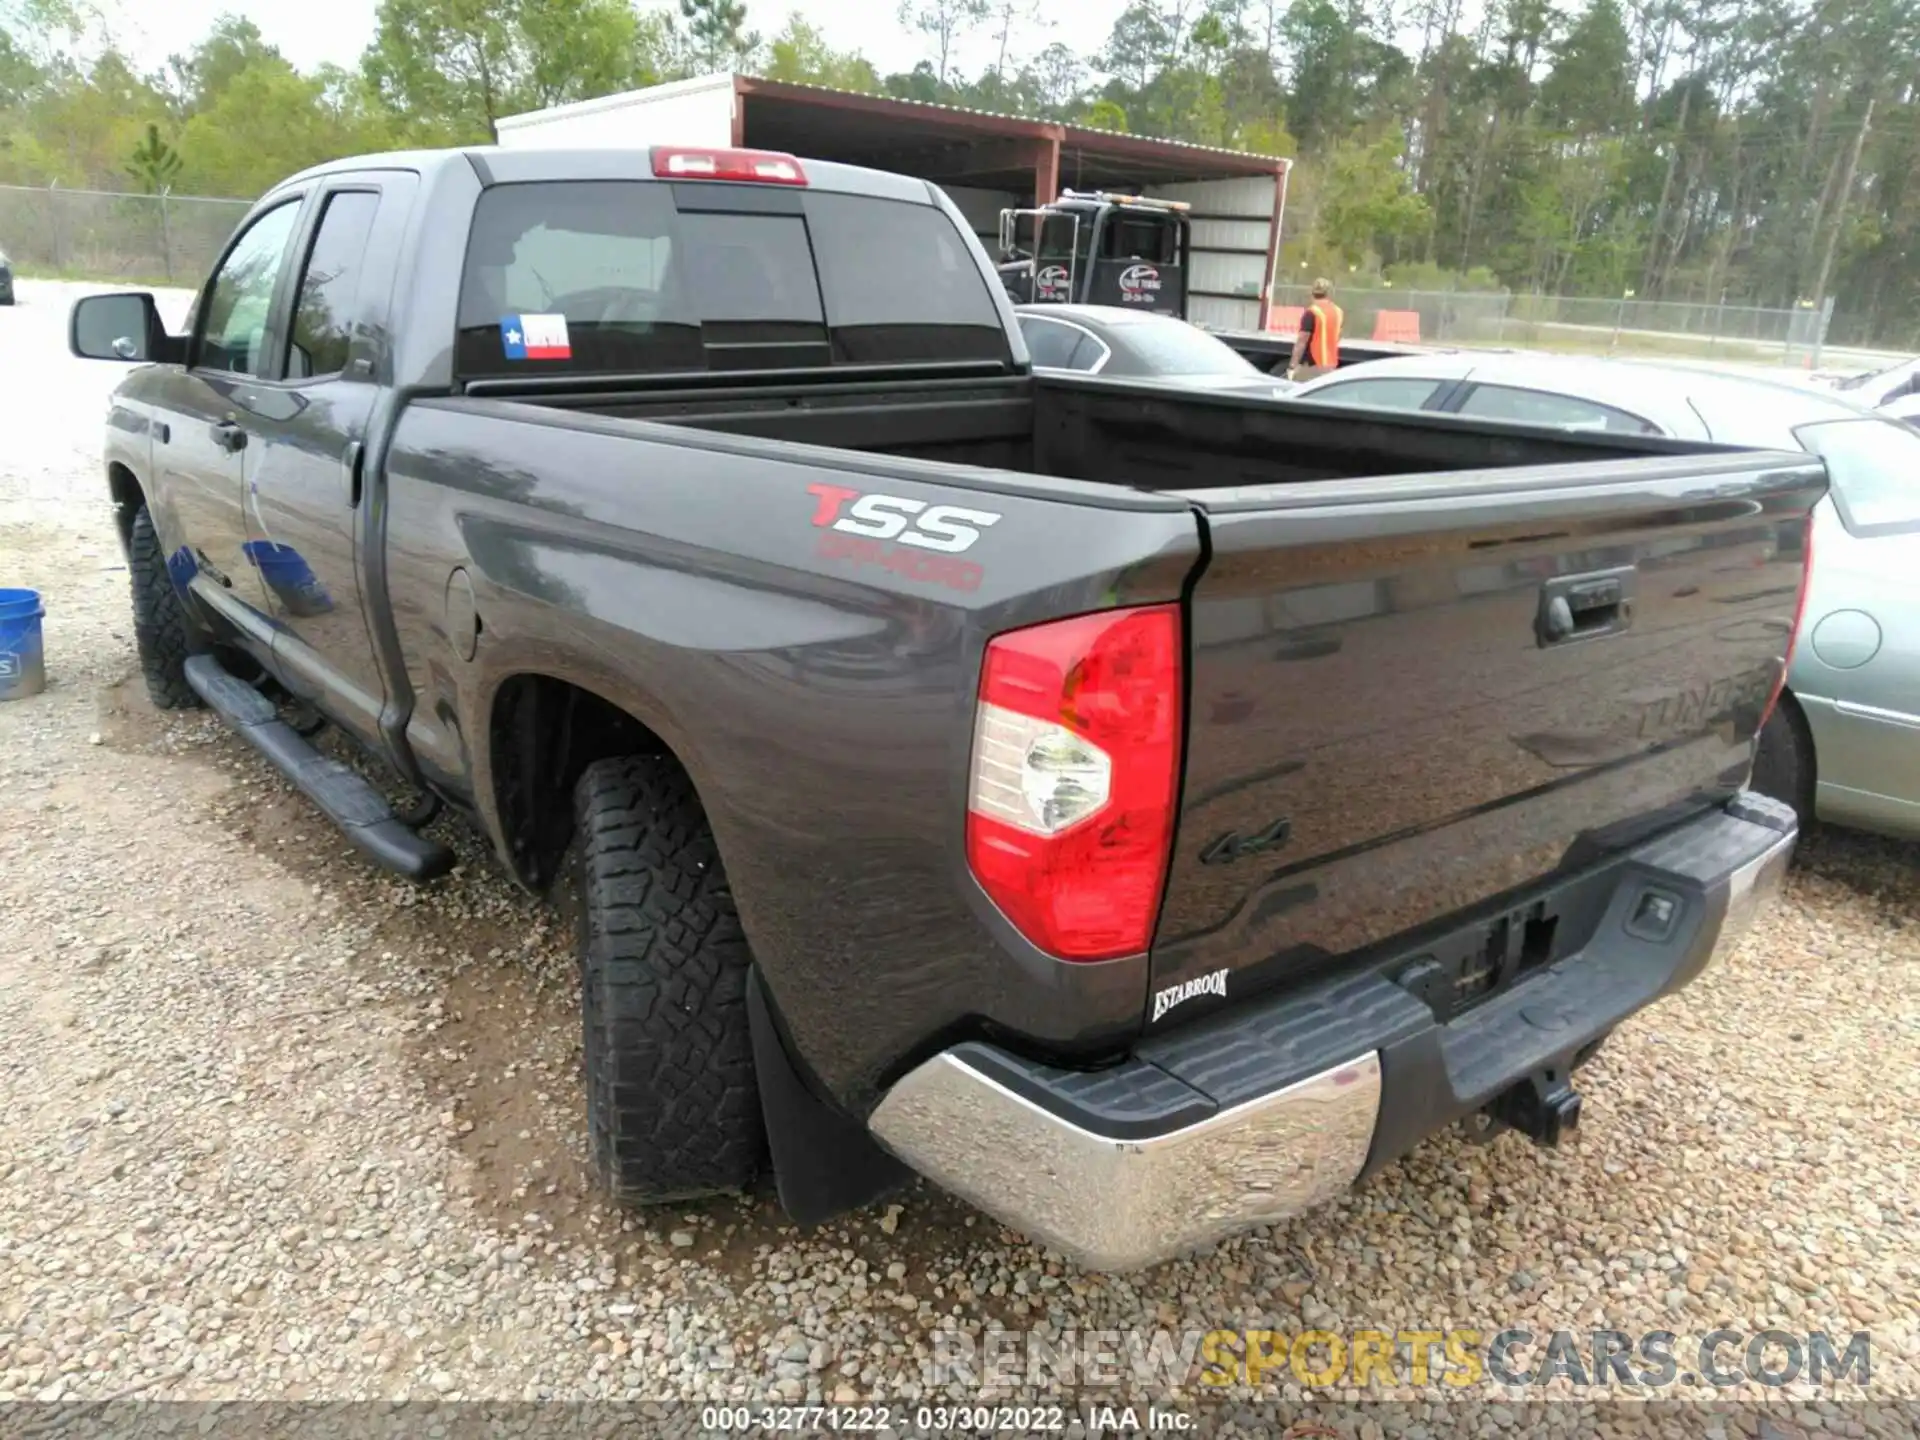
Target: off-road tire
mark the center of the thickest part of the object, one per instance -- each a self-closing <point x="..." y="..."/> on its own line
<point x="1784" y="765"/>
<point x="672" y="1107"/>
<point x="160" y="630"/>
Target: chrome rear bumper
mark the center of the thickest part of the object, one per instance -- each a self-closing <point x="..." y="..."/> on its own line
<point x="1119" y="1204"/>
<point x="1167" y="1152"/>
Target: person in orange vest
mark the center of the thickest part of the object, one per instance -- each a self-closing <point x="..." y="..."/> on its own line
<point x="1318" y="342"/>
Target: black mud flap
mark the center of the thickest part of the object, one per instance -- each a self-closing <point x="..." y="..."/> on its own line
<point x="825" y="1163"/>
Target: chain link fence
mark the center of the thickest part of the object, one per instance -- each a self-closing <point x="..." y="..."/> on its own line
<point x="1581" y="325"/>
<point x="97" y="235"/>
<point x="174" y="239"/>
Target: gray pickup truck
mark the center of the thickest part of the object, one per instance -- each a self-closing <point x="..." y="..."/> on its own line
<point x="1143" y="814"/>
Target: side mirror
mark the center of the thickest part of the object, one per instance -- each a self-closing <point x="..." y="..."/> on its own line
<point x="120" y="327"/>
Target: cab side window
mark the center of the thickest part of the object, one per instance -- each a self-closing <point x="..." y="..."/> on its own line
<point x="1399" y="393"/>
<point x="237" y="301"/>
<point x="330" y="286"/>
<point x="1538" y="407"/>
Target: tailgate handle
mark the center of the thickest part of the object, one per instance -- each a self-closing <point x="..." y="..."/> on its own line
<point x="1584" y="607"/>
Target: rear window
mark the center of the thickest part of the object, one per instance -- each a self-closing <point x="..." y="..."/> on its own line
<point x="622" y="277"/>
<point x="1173" y="347"/>
<point x="1141" y="237"/>
<point x="1875" y="469"/>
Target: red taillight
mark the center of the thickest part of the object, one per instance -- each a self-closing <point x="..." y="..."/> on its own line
<point x="1070" y="810"/>
<point x="1799" y="612"/>
<point x="763" y="167"/>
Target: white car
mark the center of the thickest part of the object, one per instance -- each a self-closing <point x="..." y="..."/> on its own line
<point x="1906" y="408"/>
<point x="1844" y="742"/>
<point x="1588" y="393"/>
<point x="1884" y="389"/>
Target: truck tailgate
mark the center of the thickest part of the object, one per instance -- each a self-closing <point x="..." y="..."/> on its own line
<point x="1410" y="697"/>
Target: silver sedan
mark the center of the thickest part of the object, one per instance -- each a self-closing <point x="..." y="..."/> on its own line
<point x="1106" y="340"/>
<point x="1844" y="742"/>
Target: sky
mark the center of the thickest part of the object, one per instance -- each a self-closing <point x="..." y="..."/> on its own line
<point x="311" y="34"/>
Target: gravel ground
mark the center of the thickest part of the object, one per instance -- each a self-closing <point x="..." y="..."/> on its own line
<point x="278" y="1127"/>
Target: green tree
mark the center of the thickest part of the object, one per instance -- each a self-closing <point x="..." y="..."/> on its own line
<point x="1057" y="76"/>
<point x="945" y="23"/>
<point x="1343" y="75"/>
<point x="82" y="125"/>
<point x="20" y="75"/>
<point x="1140" y="45"/>
<point x="579" y="49"/>
<point x="1011" y="18"/>
<point x="1267" y="137"/>
<point x="1590" y="88"/>
<point x="452" y="58"/>
<point x="154" y="163"/>
<point x="268" y="121"/>
<point x="716" y="31"/>
<point x="1366" y="203"/>
<point x="800" y="53"/>
<point x="1748" y="151"/>
<point x="919" y="83"/>
<point x="45" y="31"/>
<point x="460" y="65"/>
<point x="231" y="47"/>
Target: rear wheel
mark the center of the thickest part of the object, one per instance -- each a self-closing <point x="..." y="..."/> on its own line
<point x="160" y="625"/>
<point x="1784" y="764"/>
<point x="672" y="1104"/>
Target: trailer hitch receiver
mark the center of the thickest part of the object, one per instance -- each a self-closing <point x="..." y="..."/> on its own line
<point x="1545" y="1107"/>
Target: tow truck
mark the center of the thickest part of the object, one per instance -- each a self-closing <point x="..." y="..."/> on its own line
<point x="1095" y="248"/>
<point x="1131" y="251"/>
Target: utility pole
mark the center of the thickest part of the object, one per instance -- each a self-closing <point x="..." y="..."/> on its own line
<point x="1840" y="206"/>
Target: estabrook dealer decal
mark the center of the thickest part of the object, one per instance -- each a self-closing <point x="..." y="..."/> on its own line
<point x="1214" y="982"/>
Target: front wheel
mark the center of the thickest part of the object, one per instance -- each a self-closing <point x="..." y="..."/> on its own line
<point x="672" y="1104"/>
<point x="160" y="624"/>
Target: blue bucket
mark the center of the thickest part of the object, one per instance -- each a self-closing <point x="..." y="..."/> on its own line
<point x="289" y="578"/>
<point x="23" y="661"/>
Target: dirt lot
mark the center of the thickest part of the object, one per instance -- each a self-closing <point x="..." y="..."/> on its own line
<point x="279" y="1127"/>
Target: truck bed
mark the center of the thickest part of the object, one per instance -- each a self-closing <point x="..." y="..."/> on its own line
<point x="1370" y="702"/>
<point x="1101" y="430"/>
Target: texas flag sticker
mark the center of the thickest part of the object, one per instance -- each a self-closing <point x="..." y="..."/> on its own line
<point x="535" y="337"/>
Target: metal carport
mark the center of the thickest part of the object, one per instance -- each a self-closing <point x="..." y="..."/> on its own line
<point x="986" y="162"/>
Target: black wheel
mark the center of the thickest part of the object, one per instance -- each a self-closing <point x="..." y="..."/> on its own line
<point x="671" y="1101"/>
<point x="1784" y="764"/>
<point x="160" y="629"/>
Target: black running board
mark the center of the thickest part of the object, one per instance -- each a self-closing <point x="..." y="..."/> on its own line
<point x="342" y="793"/>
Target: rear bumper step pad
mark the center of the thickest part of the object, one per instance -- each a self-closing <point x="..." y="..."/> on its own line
<point x="1267" y="1109"/>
